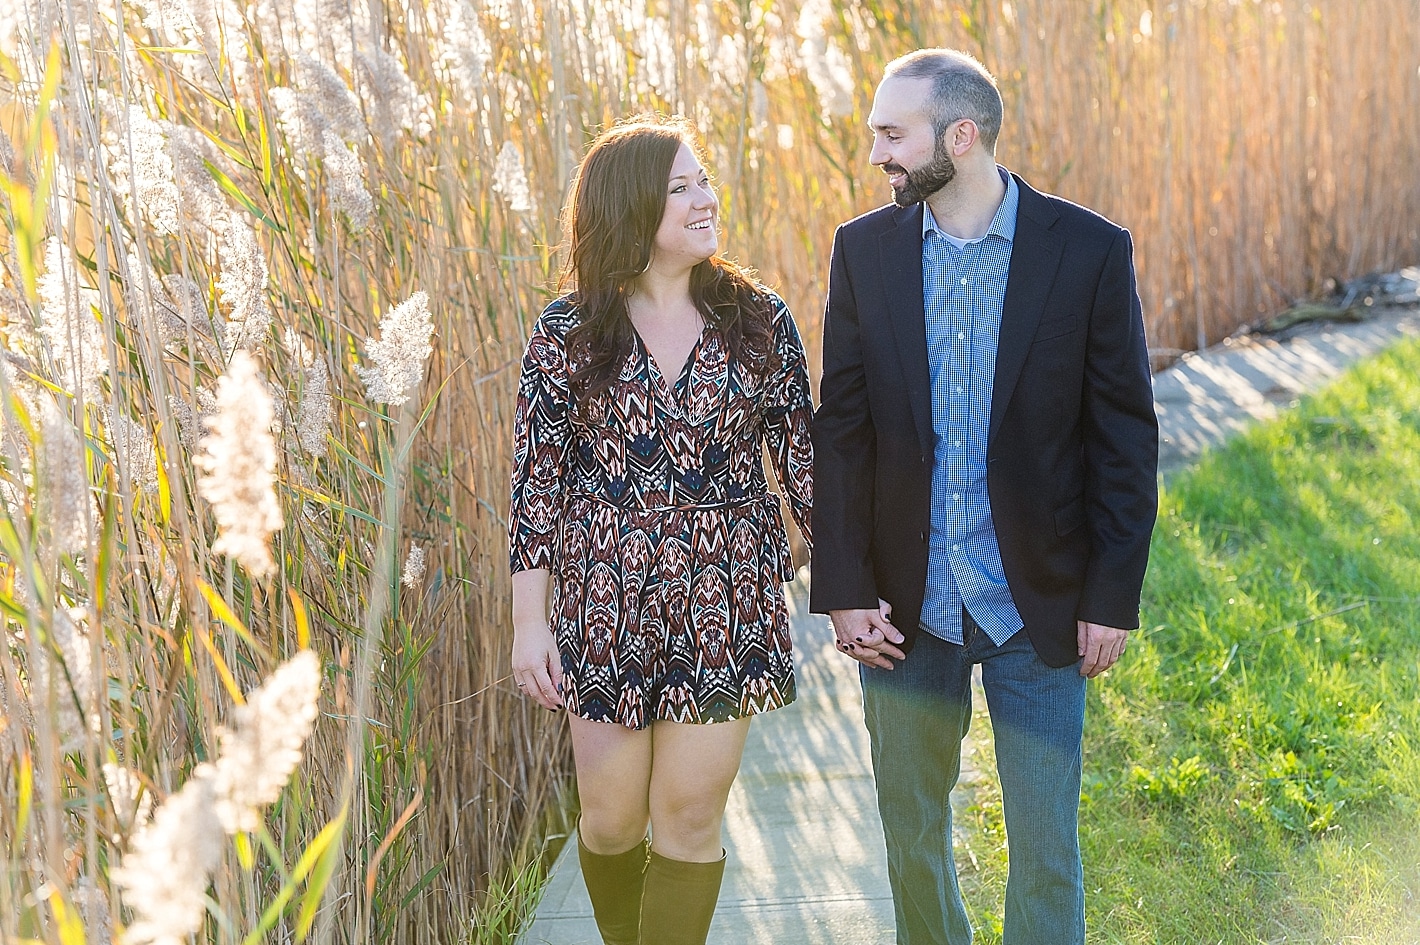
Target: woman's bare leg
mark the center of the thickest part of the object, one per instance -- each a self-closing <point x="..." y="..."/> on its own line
<point x="613" y="783"/>
<point x="692" y="770"/>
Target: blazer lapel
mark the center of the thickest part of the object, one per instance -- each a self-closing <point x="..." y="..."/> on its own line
<point x="1035" y="257"/>
<point x="900" y="250"/>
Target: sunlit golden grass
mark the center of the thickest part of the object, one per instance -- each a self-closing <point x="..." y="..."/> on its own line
<point x="1255" y="149"/>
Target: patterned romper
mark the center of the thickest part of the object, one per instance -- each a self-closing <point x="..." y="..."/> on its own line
<point x="667" y="550"/>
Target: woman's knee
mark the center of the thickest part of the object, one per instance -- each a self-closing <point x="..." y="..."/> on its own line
<point x="692" y="821"/>
<point x="612" y="825"/>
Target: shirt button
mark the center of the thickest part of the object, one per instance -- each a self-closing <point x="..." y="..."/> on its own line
<point x="958" y="444"/>
<point x="958" y="388"/>
<point x="961" y="335"/>
<point x="956" y="547"/>
<point x="963" y="280"/>
<point x="956" y="497"/>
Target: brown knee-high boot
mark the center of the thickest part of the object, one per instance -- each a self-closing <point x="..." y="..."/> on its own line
<point x="614" y="884"/>
<point x="679" y="900"/>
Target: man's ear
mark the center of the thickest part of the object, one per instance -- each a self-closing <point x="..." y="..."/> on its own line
<point x="961" y="136"/>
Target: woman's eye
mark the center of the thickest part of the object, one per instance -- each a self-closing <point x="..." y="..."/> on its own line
<point x="678" y="188"/>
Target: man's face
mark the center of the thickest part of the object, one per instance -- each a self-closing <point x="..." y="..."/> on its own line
<point x="916" y="160"/>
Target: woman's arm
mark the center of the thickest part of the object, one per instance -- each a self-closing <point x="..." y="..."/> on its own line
<point x="541" y="436"/>
<point x="788" y="422"/>
<point x="537" y="665"/>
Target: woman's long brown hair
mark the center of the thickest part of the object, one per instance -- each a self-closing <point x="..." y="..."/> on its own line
<point x="618" y="199"/>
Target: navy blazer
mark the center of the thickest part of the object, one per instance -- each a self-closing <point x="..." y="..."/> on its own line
<point x="1072" y="447"/>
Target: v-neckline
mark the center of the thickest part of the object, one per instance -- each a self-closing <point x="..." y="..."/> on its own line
<point x="654" y="366"/>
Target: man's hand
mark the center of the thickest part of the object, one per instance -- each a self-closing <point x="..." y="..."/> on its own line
<point x="868" y="635"/>
<point x="1100" y="647"/>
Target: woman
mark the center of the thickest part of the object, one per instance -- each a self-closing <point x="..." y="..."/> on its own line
<point x="639" y="500"/>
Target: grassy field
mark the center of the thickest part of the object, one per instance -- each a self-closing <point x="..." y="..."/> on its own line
<point x="1252" y="767"/>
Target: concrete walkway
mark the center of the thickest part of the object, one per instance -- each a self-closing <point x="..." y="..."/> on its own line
<point x="806" y="858"/>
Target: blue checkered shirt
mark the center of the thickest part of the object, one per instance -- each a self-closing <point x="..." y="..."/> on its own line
<point x="964" y="285"/>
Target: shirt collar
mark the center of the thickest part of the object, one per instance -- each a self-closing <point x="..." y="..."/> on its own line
<point x="1003" y="224"/>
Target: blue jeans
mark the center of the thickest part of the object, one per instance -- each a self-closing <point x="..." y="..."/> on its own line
<point x="917" y="715"/>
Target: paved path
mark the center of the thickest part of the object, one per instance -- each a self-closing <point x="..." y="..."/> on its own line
<point x="1207" y="396"/>
<point x="806" y="859"/>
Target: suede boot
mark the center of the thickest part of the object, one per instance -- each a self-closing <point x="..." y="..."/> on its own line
<point x="614" y="884"/>
<point x="679" y="900"/>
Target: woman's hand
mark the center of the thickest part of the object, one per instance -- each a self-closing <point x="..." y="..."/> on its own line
<point x="868" y="635"/>
<point x="537" y="665"/>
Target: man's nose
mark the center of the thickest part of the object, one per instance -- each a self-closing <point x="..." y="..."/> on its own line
<point x="878" y="155"/>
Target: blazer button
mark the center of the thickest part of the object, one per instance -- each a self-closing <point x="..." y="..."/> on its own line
<point x="923" y="536"/>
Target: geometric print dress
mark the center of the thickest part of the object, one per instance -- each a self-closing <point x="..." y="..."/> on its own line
<point x="666" y="548"/>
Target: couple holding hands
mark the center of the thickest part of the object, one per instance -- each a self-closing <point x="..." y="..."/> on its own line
<point x="977" y="486"/>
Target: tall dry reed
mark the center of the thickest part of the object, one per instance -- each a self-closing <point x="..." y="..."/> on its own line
<point x="299" y="199"/>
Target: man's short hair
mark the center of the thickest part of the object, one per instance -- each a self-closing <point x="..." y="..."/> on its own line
<point x="961" y="88"/>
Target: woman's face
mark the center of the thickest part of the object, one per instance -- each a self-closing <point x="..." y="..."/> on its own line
<point x="688" y="232"/>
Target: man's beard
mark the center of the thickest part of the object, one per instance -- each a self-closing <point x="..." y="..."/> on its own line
<point x="924" y="181"/>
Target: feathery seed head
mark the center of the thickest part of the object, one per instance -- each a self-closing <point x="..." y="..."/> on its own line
<point x="295" y="344"/>
<point x="310" y="133"/>
<point x="510" y="180"/>
<point x="93" y="907"/>
<point x="828" y="68"/>
<point x="132" y="806"/>
<point x="148" y="182"/>
<point x="301" y="121"/>
<point x="149" y="306"/>
<point x="400" y="353"/>
<point x="237" y="467"/>
<point x="338" y="103"/>
<point x="413" y="567"/>
<point x="62" y="479"/>
<point x="67" y="669"/>
<point x="189" y="308"/>
<point x="169" y="863"/>
<point x="464" y="53"/>
<point x="192" y="420"/>
<point x="74" y="337"/>
<point x="243" y="287"/>
<point x="392" y="100"/>
<point x="313" y="420"/>
<point x="262" y="747"/>
<point x="132" y="448"/>
<point x="345" y="175"/>
<point x="201" y="198"/>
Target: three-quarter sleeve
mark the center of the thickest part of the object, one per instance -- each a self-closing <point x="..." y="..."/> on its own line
<point x="788" y="419"/>
<point x="540" y="441"/>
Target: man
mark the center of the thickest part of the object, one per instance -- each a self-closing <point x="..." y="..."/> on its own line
<point x="985" y="488"/>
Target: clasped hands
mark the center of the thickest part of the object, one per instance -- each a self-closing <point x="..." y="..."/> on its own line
<point x="870" y="638"/>
<point x="868" y="635"/>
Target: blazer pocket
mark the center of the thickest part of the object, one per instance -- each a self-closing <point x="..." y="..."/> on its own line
<point x="1070" y="516"/>
<point x="1056" y="328"/>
